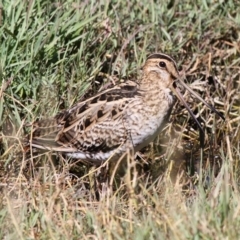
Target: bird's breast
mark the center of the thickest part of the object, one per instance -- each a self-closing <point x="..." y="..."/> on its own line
<point x="146" y="119"/>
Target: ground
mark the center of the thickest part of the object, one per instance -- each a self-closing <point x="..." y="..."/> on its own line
<point x="55" y="53"/>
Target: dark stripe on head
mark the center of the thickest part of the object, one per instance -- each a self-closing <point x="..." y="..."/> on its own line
<point x="161" y="56"/>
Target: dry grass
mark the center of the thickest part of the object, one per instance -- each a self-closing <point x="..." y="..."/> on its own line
<point x="54" y="54"/>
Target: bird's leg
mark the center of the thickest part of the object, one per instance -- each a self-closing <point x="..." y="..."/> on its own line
<point x="109" y="175"/>
<point x="131" y="174"/>
<point x="101" y="181"/>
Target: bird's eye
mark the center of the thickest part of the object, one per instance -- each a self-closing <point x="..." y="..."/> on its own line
<point x="162" y="64"/>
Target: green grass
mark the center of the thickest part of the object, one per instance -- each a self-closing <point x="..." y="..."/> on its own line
<point x="54" y="53"/>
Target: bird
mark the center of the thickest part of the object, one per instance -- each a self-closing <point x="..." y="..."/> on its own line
<point x="125" y="117"/>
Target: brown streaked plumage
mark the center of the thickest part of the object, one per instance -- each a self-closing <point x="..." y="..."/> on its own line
<point x="127" y="116"/>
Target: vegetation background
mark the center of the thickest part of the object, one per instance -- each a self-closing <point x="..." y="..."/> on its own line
<point x="53" y="53"/>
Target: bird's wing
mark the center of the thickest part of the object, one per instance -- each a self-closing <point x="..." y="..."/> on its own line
<point x="96" y="124"/>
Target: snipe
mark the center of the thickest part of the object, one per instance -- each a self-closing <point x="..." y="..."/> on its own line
<point x="127" y="116"/>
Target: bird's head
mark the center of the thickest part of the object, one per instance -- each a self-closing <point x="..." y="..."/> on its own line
<point x="162" y="69"/>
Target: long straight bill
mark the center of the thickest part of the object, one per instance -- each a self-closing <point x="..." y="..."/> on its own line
<point x="201" y="132"/>
<point x="199" y="98"/>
